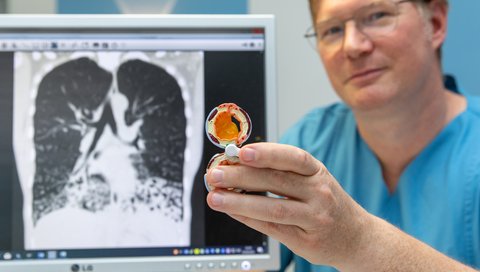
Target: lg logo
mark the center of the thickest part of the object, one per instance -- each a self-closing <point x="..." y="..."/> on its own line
<point x="78" y="268"/>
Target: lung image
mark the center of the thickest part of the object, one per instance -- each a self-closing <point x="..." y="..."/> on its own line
<point x="70" y="102"/>
<point x="110" y="140"/>
<point x="155" y="98"/>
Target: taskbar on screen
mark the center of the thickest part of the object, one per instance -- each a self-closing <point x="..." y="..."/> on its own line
<point x="130" y="252"/>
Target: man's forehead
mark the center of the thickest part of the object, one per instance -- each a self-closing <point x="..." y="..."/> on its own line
<point x="325" y="9"/>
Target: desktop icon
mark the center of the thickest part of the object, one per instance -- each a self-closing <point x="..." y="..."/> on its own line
<point x="52" y="254"/>
<point x="260" y="249"/>
<point x="7" y="256"/>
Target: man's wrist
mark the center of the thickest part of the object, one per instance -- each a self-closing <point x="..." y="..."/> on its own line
<point x="362" y="245"/>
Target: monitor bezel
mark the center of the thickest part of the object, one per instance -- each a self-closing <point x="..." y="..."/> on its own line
<point x="12" y="23"/>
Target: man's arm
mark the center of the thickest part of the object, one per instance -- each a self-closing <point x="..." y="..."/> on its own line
<point x="386" y="248"/>
<point x="315" y="218"/>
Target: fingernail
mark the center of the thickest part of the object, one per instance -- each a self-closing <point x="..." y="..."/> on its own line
<point x="206" y="183"/>
<point x="217" y="199"/>
<point x="248" y="154"/>
<point x="217" y="175"/>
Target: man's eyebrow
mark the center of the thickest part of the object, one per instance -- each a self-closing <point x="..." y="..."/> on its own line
<point x="326" y="21"/>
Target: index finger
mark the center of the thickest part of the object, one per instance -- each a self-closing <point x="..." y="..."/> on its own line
<point x="280" y="157"/>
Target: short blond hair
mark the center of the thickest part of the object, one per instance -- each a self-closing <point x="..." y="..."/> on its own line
<point x="314" y="5"/>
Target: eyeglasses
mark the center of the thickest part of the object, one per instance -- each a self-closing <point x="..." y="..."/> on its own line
<point x="374" y="20"/>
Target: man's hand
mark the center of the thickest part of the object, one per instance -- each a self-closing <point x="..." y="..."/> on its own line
<point x="315" y="218"/>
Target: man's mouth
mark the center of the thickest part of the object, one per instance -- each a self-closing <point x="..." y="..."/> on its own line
<point x="365" y="75"/>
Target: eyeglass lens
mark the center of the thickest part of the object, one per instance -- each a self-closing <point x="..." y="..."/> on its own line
<point x="376" y="19"/>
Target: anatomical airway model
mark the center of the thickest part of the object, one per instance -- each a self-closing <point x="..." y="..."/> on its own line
<point x="227" y="126"/>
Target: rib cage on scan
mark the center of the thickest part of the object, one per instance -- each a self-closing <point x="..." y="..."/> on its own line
<point x="69" y="132"/>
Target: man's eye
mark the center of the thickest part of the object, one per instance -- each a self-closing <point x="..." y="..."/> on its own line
<point x="332" y="31"/>
<point x="377" y="17"/>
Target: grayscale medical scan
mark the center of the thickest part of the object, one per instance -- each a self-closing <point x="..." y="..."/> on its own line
<point x="92" y="109"/>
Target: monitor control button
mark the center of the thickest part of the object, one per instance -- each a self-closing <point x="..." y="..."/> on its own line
<point x="211" y="265"/>
<point x="199" y="265"/>
<point x="188" y="266"/>
<point x="246" y="265"/>
<point x="223" y="265"/>
<point x="234" y="264"/>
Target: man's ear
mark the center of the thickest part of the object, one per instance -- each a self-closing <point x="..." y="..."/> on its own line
<point x="438" y="22"/>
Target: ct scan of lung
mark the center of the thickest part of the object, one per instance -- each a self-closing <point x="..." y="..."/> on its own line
<point x="107" y="147"/>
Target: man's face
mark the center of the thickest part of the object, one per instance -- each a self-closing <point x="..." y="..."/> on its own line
<point x="371" y="72"/>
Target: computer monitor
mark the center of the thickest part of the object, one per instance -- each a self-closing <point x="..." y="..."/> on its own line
<point x="103" y="146"/>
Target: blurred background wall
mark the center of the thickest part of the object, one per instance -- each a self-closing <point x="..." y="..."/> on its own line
<point x="301" y="80"/>
<point x="3" y="6"/>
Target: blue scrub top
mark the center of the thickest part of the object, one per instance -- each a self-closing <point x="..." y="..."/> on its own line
<point x="438" y="196"/>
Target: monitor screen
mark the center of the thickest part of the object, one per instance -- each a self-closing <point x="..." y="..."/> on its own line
<point x="102" y="140"/>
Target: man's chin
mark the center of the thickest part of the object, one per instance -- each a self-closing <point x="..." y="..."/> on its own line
<point x="372" y="97"/>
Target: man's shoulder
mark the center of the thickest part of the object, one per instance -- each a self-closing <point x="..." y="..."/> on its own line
<point x="333" y="111"/>
<point x="319" y="125"/>
<point x="325" y="116"/>
<point x="473" y="107"/>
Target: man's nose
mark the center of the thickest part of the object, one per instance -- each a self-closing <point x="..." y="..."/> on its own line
<point x="355" y="42"/>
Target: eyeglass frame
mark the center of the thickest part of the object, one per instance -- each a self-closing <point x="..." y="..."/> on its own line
<point x="314" y="35"/>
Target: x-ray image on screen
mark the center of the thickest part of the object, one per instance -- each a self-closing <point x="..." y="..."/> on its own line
<point x="107" y="145"/>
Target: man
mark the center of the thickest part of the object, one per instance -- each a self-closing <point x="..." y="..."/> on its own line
<point x="403" y="152"/>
